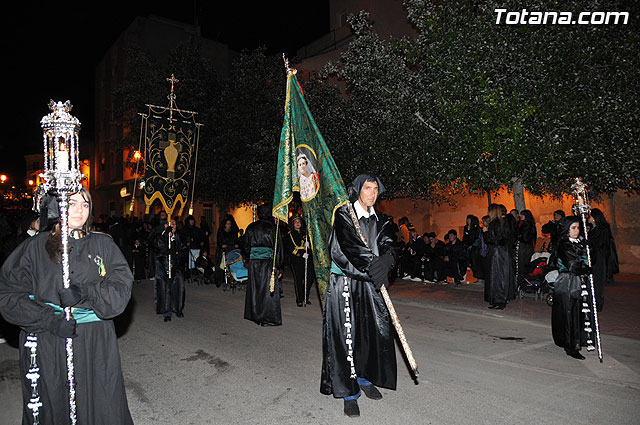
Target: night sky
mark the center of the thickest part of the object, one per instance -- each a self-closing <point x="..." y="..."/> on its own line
<point x="50" y="52"/>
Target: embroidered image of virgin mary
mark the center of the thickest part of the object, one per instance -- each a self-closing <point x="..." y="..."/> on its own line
<point x="308" y="178"/>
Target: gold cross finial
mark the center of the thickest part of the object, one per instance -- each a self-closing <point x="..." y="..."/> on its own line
<point x="172" y="96"/>
<point x="173" y="80"/>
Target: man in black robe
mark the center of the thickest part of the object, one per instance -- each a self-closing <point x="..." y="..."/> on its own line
<point x="357" y="334"/>
<point x="261" y="242"/>
<point x="298" y="250"/>
<point x="169" y="281"/>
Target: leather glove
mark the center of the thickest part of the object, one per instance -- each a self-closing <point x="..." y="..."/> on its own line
<point x="378" y="269"/>
<point x="71" y="296"/>
<point x="62" y="327"/>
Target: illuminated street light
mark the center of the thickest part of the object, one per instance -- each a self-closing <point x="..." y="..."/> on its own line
<point x="30" y="182"/>
<point x="137" y="155"/>
<point x="3" y="178"/>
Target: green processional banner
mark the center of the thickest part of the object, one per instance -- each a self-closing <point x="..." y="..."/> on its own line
<point x="305" y="165"/>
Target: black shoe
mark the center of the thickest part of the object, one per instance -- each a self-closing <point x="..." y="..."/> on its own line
<point x="180" y="315"/>
<point x="351" y="408"/>
<point x="492" y="306"/>
<point x="167" y="318"/>
<point x="575" y="355"/>
<point x="308" y="302"/>
<point x="500" y="307"/>
<point x="371" y="392"/>
<point x="299" y="304"/>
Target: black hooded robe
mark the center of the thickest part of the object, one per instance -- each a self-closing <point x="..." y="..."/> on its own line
<point x="100" y="391"/>
<point x="372" y="332"/>
<point x="260" y="305"/>
<point x="526" y="242"/>
<point x="567" y="319"/>
<point x="169" y="292"/>
<point x="500" y="274"/>
<point x="600" y="244"/>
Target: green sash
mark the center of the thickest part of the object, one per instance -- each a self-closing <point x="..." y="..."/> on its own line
<point x="81" y="315"/>
<point x="261" y="253"/>
<point x="336" y="270"/>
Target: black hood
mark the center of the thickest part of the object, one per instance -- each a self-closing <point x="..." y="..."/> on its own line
<point x="358" y="182"/>
<point x="566" y="222"/>
<point x="264" y="212"/>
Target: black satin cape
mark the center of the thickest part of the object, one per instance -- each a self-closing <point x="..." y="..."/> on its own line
<point x="372" y="331"/>
<point x="500" y="278"/>
<point x="260" y="305"/>
<point x="100" y="393"/>
<point x="169" y="293"/>
<point x="567" y="319"/>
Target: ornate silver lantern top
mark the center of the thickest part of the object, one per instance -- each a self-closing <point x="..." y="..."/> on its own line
<point x="580" y="197"/>
<point x="61" y="159"/>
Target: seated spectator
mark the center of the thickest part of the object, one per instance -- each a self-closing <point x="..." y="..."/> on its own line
<point x="411" y="259"/>
<point x="203" y="263"/>
<point x="434" y="254"/>
<point x="454" y="262"/>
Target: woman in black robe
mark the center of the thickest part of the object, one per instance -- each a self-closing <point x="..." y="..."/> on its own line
<point x="226" y="241"/>
<point x="261" y="305"/>
<point x="471" y="239"/>
<point x="601" y="243"/>
<point x="295" y="249"/>
<point x="32" y="296"/>
<point x="527" y="235"/>
<point x="500" y="274"/>
<point x="571" y="291"/>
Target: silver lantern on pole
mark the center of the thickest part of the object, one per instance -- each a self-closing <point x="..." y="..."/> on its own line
<point x="62" y="178"/>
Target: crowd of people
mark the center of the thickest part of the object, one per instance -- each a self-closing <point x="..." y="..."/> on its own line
<point x="498" y="249"/>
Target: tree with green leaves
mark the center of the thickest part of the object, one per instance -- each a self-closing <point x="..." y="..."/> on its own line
<point x="246" y="117"/>
<point x="473" y="105"/>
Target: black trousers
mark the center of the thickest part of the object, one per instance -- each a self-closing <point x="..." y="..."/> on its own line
<point x="297" y="267"/>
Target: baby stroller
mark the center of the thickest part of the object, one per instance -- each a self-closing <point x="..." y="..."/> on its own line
<point x="535" y="276"/>
<point x="236" y="274"/>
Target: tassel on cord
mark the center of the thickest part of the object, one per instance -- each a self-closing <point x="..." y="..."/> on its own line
<point x="272" y="282"/>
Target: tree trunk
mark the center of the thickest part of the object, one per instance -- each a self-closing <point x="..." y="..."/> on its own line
<point x="612" y="218"/>
<point x="518" y="194"/>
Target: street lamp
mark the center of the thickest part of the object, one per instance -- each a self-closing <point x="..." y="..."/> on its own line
<point x="3" y="178"/>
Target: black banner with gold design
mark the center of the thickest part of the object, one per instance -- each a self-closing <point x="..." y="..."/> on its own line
<point x="170" y="147"/>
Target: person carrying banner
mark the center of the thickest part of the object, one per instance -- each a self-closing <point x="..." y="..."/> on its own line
<point x="169" y="290"/>
<point x="357" y="334"/>
<point x="262" y="242"/>
<point x="297" y="247"/>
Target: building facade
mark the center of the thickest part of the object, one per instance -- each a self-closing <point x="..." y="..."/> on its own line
<point x="112" y="182"/>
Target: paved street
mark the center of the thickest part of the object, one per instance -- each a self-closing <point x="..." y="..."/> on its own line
<point x="476" y="366"/>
